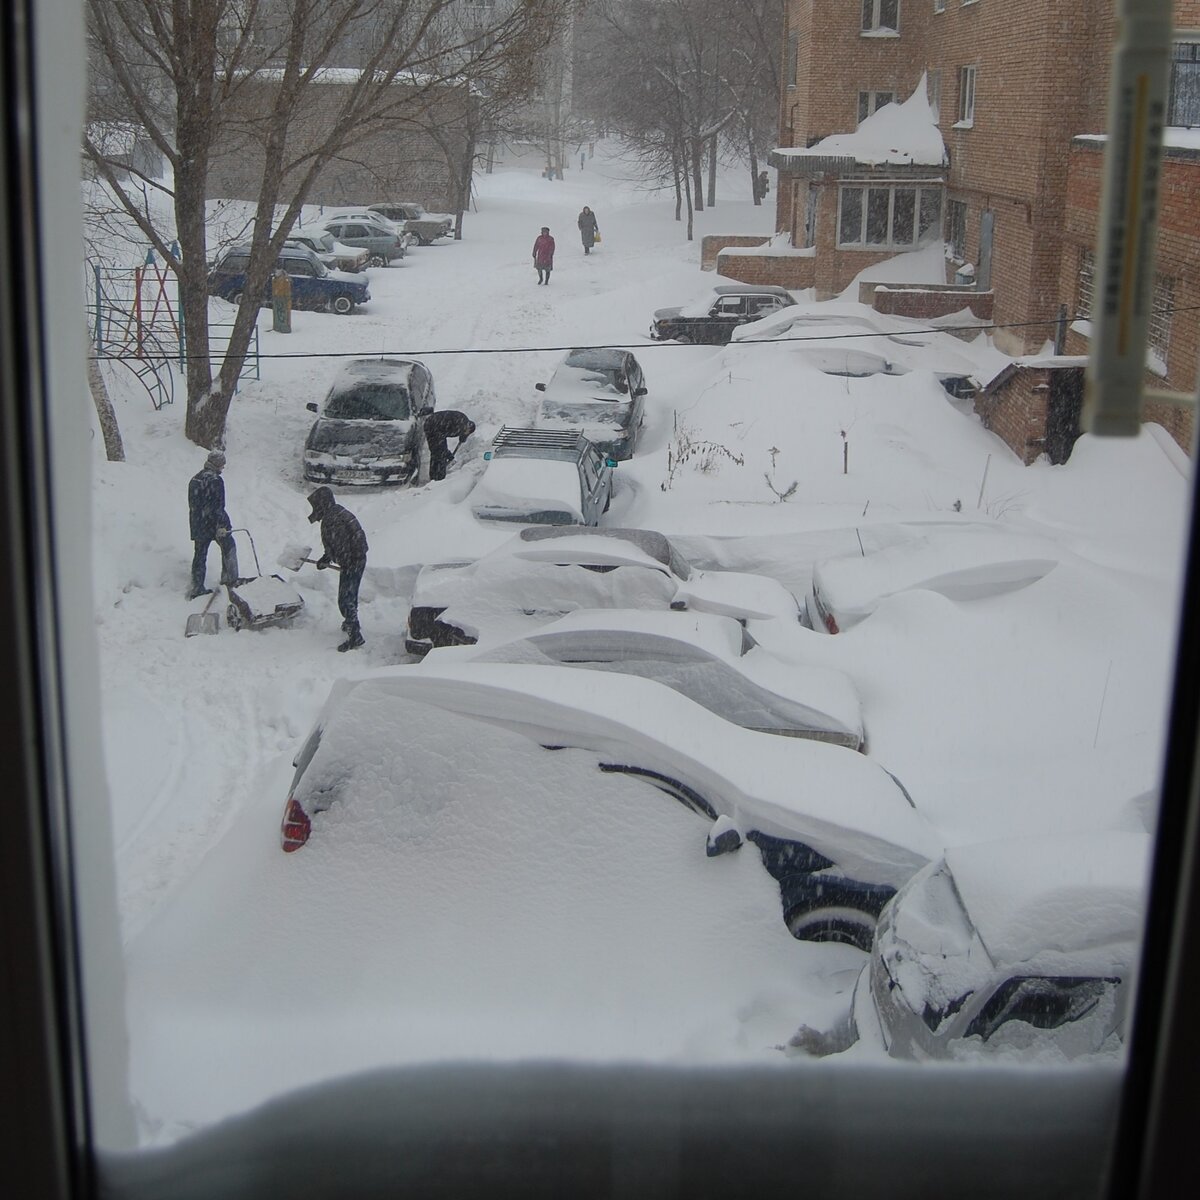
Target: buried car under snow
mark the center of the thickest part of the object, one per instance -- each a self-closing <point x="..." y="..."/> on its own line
<point x="834" y="829"/>
<point x="547" y="572"/>
<point x="600" y="393"/>
<point x="719" y="312"/>
<point x="1012" y="945"/>
<point x="361" y="432"/>
<point x="713" y="660"/>
<point x="543" y="477"/>
<point x="970" y="563"/>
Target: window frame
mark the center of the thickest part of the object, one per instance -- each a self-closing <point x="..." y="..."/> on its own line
<point x="892" y="186"/>
<point x="956" y="231"/>
<point x="875" y="18"/>
<point x="873" y="103"/>
<point x="1173" y="90"/>
<point x="968" y="80"/>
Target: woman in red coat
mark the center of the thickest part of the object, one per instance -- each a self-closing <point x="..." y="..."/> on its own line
<point x="543" y="254"/>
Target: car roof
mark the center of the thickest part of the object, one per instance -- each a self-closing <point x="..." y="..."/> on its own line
<point x="601" y="356"/>
<point x="653" y="544"/>
<point x="375" y="370"/>
<point x="513" y="442"/>
<point x="738" y="289"/>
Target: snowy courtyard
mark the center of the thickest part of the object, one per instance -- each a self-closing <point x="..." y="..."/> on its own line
<point x="519" y="905"/>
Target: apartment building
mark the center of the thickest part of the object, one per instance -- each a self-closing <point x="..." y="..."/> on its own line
<point x="1005" y="169"/>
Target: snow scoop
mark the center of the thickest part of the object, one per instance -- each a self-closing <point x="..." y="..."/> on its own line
<point x="203" y="621"/>
<point x="295" y="555"/>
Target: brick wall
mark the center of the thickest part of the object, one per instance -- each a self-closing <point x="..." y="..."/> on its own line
<point x="784" y="270"/>
<point x="711" y="245"/>
<point x="926" y="303"/>
<point x="1016" y="410"/>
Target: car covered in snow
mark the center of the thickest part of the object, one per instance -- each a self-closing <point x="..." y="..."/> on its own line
<point x="714" y="660"/>
<point x="425" y="226"/>
<point x="382" y="241"/>
<point x="715" y="316"/>
<point x="361" y="434"/>
<point x="599" y="392"/>
<point x="970" y="563"/>
<point x="546" y="572"/>
<point x="543" y="477"/>
<point x="1028" y="944"/>
<point x="314" y="285"/>
<point x="836" y="832"/>
<point x="334" y="254"/>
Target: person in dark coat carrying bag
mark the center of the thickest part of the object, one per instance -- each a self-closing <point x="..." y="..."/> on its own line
<point x="209" y="522"/>
<point x="345" y="546"/>
<point x="589" y="230"/>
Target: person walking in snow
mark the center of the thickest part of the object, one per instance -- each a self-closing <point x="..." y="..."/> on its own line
<point x="209" y="522"/>
<point x="543" y="254"/>
<point x="345" y="546"/>
<point x="438" y="427"/>
<point x="589" y="231"/>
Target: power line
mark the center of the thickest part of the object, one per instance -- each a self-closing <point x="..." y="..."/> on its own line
<point x="815" y="337"/>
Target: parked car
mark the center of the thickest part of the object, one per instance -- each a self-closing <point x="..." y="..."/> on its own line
<point x="543" y="477"/>
<point x="835" y="830"/>
<point x="714" y="317"/>
<point x="546" y="572"/>
<point x="361" y="432"/>
<point x="425" y="226"/>
<point x="313" y="284"/>
<point x="713" y="660"/>
<point x="961" y="564"/>
<point x="600" y="393"/>
<point x="382" y="244"/>
<point x="332" y="253"/>
<point x="1004" y="945"/>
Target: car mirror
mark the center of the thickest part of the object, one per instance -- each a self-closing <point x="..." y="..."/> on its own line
<point x="638" y="392"/>
<point x="311" y="407"/>
<point x="487" y="456"/>
<point x="541" y="387"/>
<point x="610" y="462"/>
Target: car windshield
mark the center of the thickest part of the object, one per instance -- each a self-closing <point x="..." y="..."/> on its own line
<point x="366" y="401"/>
<point x="943" y="497"/>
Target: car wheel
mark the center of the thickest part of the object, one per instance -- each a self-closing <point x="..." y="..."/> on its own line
<point x="342" y="305"/>
<point x="422" y="241"/>
<point x="376" y="260"/>
<point x="849" y="926"/>
<point x="683" y="339"/>
<point x="236" y="299"/>
<point x="233" y="617"/>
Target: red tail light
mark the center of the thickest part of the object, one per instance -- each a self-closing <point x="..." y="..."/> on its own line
<point x="830" y="623"/>
<point x="296" y="826"/>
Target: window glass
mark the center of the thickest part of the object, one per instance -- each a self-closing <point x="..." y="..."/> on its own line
<point x="851" y="215"/>
<point x="878" y="204"/>
<point x="1184" y="98"/>
<point x="903" y="216"/>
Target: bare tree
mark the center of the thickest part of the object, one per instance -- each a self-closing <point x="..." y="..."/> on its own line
<point x="182" y="70"/>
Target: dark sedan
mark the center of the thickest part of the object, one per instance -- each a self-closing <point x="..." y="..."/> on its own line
<point x="714" y="318"/>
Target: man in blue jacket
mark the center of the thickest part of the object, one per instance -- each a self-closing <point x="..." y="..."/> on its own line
<point x="209" y="522"/>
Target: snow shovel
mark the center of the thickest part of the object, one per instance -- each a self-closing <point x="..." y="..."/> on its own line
<point x="295" y="555"/>
<point x="203" y="621"/>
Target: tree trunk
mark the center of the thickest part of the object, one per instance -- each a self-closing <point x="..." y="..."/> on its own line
<point x="687" y="192"/>
<point x="757" y="190"/>
<point x="678" y="185"/>
<point x="712" y="171"/>
<point x="114" y="449"/>
<point x="697" y="177"/>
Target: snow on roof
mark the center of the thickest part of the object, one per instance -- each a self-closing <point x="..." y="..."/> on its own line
<point x="896" y="135"/>
<point x="1032" y="896"/>
<point x="512" y="486"/>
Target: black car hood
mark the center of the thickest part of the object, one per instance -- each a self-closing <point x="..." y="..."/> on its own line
<point x="369" y="439"/>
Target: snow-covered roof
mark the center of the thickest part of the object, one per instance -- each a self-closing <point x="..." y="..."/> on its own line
<point x="895" y="135"/>
<point x="514" y="486"/>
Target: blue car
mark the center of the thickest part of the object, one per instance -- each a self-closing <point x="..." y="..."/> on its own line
<point x="314" y="285"/>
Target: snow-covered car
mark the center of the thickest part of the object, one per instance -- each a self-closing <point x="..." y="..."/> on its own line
<point x="1029" y="944"/>
<point x="368" y="231"/>
<point x="546" y="572"/>
<point x="711" y="659"/>
<point x="332" y="253"/>
<point x="361" y="432"/>
<point x="599" y="392"/>
<point x="960" y="564"/>
<point x="543" y="477"/>
<point x="715" y="316"/>
<point x="314" y="285"/>
<point x="425" y="226"/>
<point x="835" y="830"/>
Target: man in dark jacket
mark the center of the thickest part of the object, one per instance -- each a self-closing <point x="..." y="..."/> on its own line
<point x="345" y="546"/>
<point x="589" y="230"/>
<point x="209" y="522"/>
<point x="437" y="427"/>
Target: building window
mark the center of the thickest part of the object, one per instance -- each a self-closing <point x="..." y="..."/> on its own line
<point x="933" y="91"/>
<point x="1183" y="104"/>
<point x="966" y="96"/>
<point x="793" y="62"/>
<point x="1162" y="306"/>
<point x="939" y="6"/>
<point x="881" y="16"/>
<point x="869" y="102"/>
<point x="1085" y="290"/>
<point x="888" y="215"/>
<point x="956" y="229"/>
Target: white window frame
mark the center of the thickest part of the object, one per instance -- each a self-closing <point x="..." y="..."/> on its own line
<point x="872" y="21"/>
<point x="865" y="186"/>
<point x="939" y="6"/>
<point x="1085" y="287"/>
<point x="1162" y="309"/>
<point x="874" y="104"/>
<point x="933" y="90"/>
<point x="968" y="77"/>
<point x="1193" y="44"/>
<point x="957" y="248"/>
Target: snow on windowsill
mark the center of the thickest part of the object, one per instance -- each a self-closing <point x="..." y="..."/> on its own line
<point x="880" y="33"/>
<point x="964" y="124"/>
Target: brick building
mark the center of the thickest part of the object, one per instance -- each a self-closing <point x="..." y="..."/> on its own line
<point x="419" y="148"/>
<point x="1018" y="91"/>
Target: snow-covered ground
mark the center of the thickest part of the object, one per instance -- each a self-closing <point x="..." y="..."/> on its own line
<point x="249" y="972"/>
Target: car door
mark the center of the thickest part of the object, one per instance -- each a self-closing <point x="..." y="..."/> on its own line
<point x="595" y="479"/>
<point x="304" y="282"/>
<point x="724" y="316"/>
